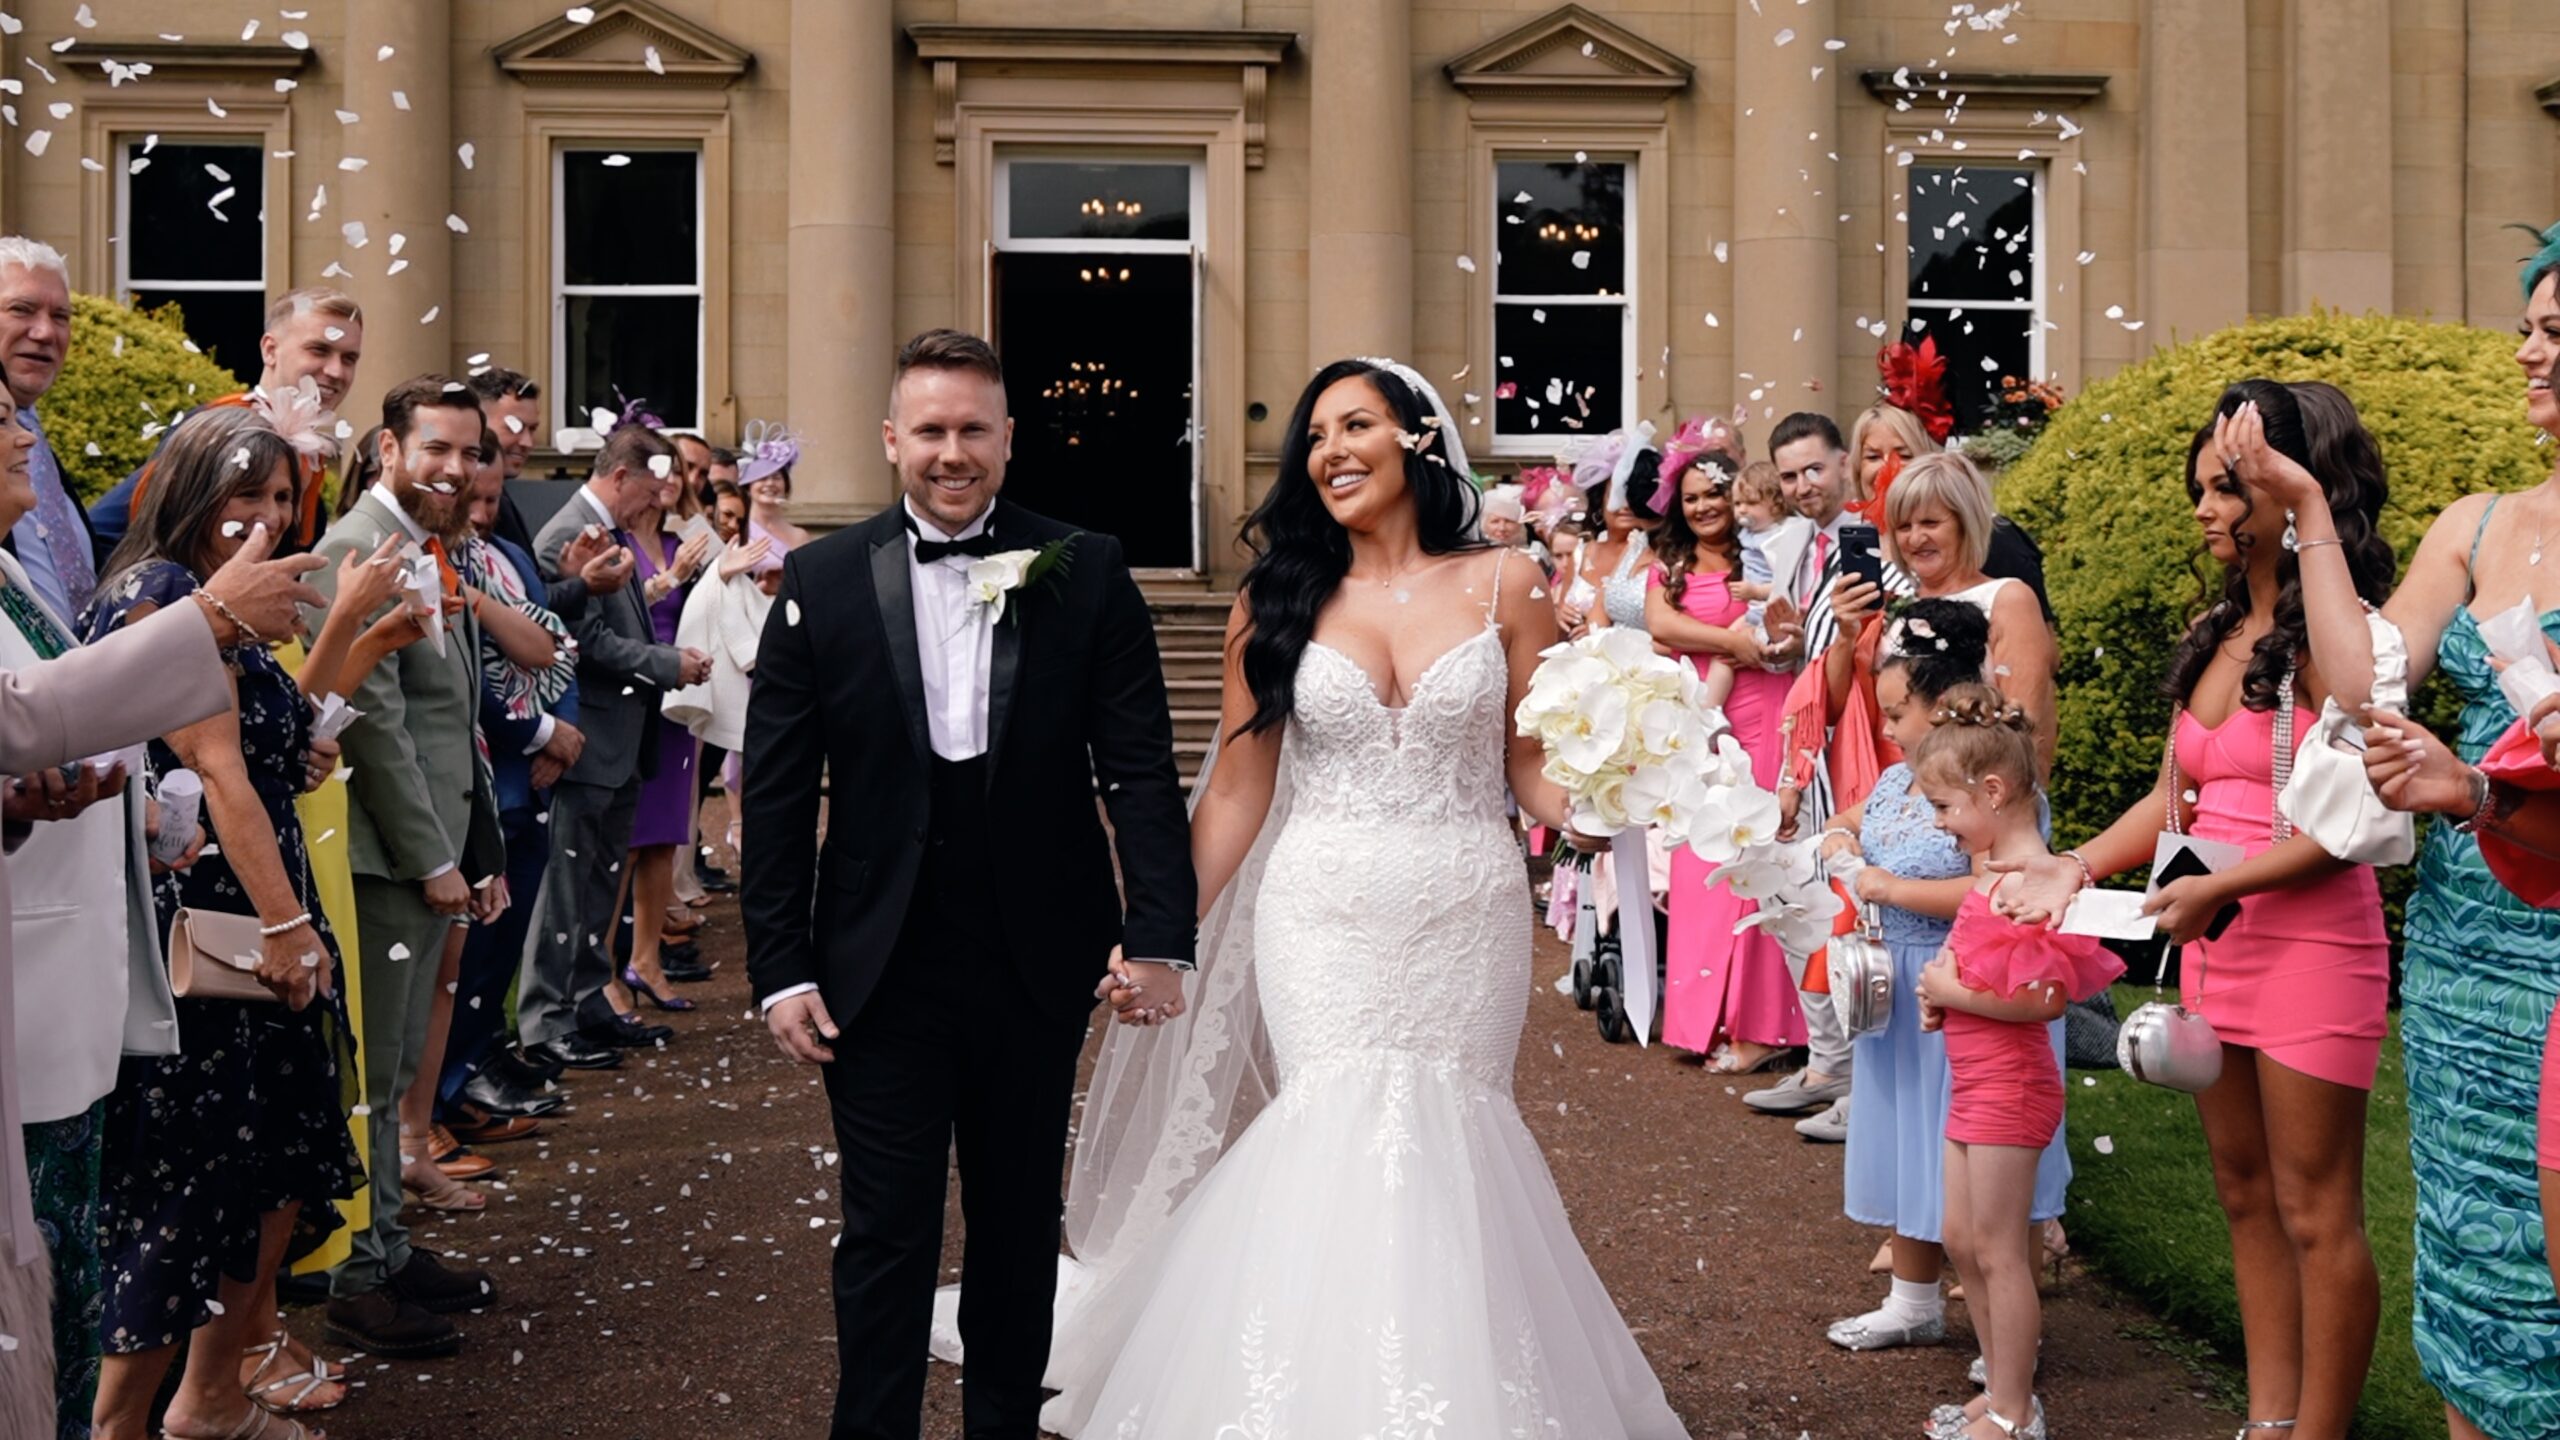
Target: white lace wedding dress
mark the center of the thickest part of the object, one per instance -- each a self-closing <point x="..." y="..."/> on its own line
<point x="1381" y="1255"/>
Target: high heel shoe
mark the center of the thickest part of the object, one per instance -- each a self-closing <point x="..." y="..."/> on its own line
<point x="631" y="977"/>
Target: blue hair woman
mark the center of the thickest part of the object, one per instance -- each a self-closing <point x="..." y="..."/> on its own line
<point x="2482" y="966"/>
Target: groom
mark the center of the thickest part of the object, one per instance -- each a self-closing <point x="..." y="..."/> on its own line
<point x="938" y="957"/>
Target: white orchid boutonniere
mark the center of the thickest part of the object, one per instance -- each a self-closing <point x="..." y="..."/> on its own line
<point x="994" y="578"/>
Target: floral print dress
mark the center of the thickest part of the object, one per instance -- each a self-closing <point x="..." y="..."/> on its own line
<point x="251" y="1114"/>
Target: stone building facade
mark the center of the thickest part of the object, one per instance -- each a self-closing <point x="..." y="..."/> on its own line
<point x="1168" y="212"/>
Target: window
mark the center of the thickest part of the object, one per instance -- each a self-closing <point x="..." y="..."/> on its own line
<point x="1563" y="314"/>
<point x="627" y="246"/>
<point x="1976" y="268"/>
<point x="191" y="228"/>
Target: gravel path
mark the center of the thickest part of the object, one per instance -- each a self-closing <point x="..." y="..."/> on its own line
<point x="661" y="1252"/>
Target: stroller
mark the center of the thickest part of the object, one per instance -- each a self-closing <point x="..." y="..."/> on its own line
<point x="1599" y="955"/>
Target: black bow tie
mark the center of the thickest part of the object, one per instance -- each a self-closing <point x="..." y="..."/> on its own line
<point x="976" y="547"/>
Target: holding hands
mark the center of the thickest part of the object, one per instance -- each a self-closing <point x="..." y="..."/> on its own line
<point x="1140" y="992"/>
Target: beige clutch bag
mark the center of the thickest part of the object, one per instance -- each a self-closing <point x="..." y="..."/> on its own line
<point x="214" y="956"/>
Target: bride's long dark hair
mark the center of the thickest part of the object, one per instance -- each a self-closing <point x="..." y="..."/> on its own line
<point x="1301" y="553"/>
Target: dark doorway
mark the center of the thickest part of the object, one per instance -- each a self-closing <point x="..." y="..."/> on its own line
<point x="1097" y="354"/>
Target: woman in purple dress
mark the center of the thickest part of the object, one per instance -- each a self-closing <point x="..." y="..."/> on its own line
<point x="665" y="566"/>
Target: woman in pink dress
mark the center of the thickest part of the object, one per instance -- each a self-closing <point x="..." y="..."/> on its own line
<point x="2296" y="985"/>
<point x="1718" y="985"/>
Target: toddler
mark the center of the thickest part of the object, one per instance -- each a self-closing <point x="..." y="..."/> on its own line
<point x="1993" y="991"/>
<point x="1758" y="511"/>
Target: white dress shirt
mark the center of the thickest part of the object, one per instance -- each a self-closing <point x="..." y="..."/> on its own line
<point x="955" y="638"/>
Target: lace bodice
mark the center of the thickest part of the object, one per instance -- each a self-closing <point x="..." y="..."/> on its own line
<point x="1438" y="757"/>
<point x="1393" y="932"/>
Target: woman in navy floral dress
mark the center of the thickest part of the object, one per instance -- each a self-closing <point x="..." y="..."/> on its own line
<point x="223" y="1159"/>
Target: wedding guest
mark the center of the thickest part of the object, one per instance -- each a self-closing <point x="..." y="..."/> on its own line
<point x="521" y="662"/>
<point x="1937" y="532"/>
<point x="2297" y="985"/>
<point x="662" y="820"/>
<point x="218" y="1156"/>
<point x="1726" y="996"/>
<point x="1915" y="877"/>
<point x="487" y="1092"/>
<point x="764" y="472"/>
<point x="315" y="333"/>
<point x="159" y="675"/>
<point x="1994" y="992"/>
<point x="2481" y="966"/>
<point x="693" y="471"/>
<point x="728" y="510"/>
<point x="1882" y="435"/>
<point x="1814" y="473"/>
<point x="52" y="541"/>
<point x="1613" y="564"/>
<point x="512" y="402"/>
<point x="563" y="1011"/>
<point x="423" y="834"/>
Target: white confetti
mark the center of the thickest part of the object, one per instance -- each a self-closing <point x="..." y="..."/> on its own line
<point x="297" y="40"/>
<point x="1581" y="259"/>
<point x="464" y="152"/>
<point x="430" y="317"/>
<point x="233" y="529"/>
<point x="581" y="14"/>
<point x="662" y="465"/>
<point x="218" y="112"/>
<point x="354" y="234"/>
<point x="2104" y="1144"/>
<point x="84" y="18"/>
<point x="1712" y="321"/>
<point x="1786" y="37"/>
<point x="791" y="611"/>
<point x="37" y="140"/>
<point x="398" y="951"/>
<point x="1467" y="263"/>
<point x="649" y="57"/>
<point x="353" y="163"/>
<point x="616" y="161"/>
<point x="455" y="224"/>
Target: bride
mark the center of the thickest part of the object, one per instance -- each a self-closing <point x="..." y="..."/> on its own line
<point x="1380" y="1252"/>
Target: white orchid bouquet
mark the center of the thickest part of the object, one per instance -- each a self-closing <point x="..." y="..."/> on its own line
<point x="1632" y="741"/>
<point x="1630" y="737"/>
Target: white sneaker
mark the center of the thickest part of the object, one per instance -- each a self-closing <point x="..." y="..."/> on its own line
<point x="1831" y="1127"/>
<point x="1883" y="1328"/>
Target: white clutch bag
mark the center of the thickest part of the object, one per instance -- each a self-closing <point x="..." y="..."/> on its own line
<point x="2165" y="1043"/>
<point x="2327" y="796"/>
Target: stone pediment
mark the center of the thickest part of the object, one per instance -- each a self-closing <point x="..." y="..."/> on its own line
<point x="1570" y="51"/>
<point x="614" y="47"/>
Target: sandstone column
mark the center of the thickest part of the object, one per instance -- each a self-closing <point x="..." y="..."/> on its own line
<point x="2338" y="158"/>
<point x="2194" y="268"/>
<point x="405" y="190"/>
<point x="1360" y="201"/>
<point x="1786" y="202"/>
<point x="839" y="339"/>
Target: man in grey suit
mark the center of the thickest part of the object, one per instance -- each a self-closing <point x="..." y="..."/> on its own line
<point x="561" y="1009"/>
<point x="422" y="833"/>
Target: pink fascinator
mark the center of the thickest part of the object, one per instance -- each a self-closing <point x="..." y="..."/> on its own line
<point x="769" y="449"/>
<point x="295" y="413"/>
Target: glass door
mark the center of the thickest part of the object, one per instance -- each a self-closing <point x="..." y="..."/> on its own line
<point x="1094" y="306"/>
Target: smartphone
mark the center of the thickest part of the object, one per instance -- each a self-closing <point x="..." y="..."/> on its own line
<point x="1862" y="553"/>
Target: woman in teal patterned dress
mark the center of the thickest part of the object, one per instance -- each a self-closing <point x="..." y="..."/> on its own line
<point x="2482" y="967"/>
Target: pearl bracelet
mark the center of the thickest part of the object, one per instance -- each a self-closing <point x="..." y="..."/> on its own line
<point x="287" y="928"/>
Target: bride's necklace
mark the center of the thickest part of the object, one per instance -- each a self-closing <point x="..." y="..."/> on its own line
<point x="1403" y="596"/>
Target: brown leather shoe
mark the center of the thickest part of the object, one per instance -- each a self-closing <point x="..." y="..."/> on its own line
<point x="381" y="1323"/>
<point x="451" y="1158"/>
<point x="475" y="1126"/>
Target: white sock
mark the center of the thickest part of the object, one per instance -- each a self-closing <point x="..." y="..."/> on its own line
<point x="1913" y="1301"/>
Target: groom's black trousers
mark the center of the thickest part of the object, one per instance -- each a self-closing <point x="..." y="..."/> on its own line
<point x="949" y="1047"/>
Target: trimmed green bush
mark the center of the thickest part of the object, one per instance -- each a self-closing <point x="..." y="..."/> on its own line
<point x="2103" y="490"/>
<point x="129" y="373"/>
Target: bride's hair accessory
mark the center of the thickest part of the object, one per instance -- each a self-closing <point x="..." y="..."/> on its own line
<point x="296" y="413"/>
<point x="769" y="449"/>
<point x="1451" y="447"/>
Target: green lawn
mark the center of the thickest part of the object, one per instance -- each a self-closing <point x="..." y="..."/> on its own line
<point x="2145" y="1216"/>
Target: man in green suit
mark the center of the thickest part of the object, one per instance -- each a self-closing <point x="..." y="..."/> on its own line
<point x="422" y="836"/>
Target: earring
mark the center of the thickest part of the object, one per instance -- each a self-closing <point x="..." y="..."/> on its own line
<point x="2292" y="540"/>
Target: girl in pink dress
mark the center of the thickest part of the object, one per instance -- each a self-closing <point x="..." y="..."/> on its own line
<point x="1718" y="985"/>
<point x="1994" y="990"/>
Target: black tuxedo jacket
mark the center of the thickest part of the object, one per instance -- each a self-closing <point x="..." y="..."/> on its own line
<point x="1075" y="694"/>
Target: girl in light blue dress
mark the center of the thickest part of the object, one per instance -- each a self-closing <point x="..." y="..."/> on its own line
<point x="1915" y="877"/>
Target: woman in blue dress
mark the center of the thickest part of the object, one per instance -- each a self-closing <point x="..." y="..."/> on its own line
<point x="1915" y="877"/>
<point x="2482" y="967"/>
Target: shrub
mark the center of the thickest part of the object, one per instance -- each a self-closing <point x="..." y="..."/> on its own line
<point x="2104" y="491"/>
<point x="129" y="373"/>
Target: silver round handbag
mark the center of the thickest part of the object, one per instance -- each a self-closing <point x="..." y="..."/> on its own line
<point x="1861" y="974"/>
<point x="2165" y="1043"/>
